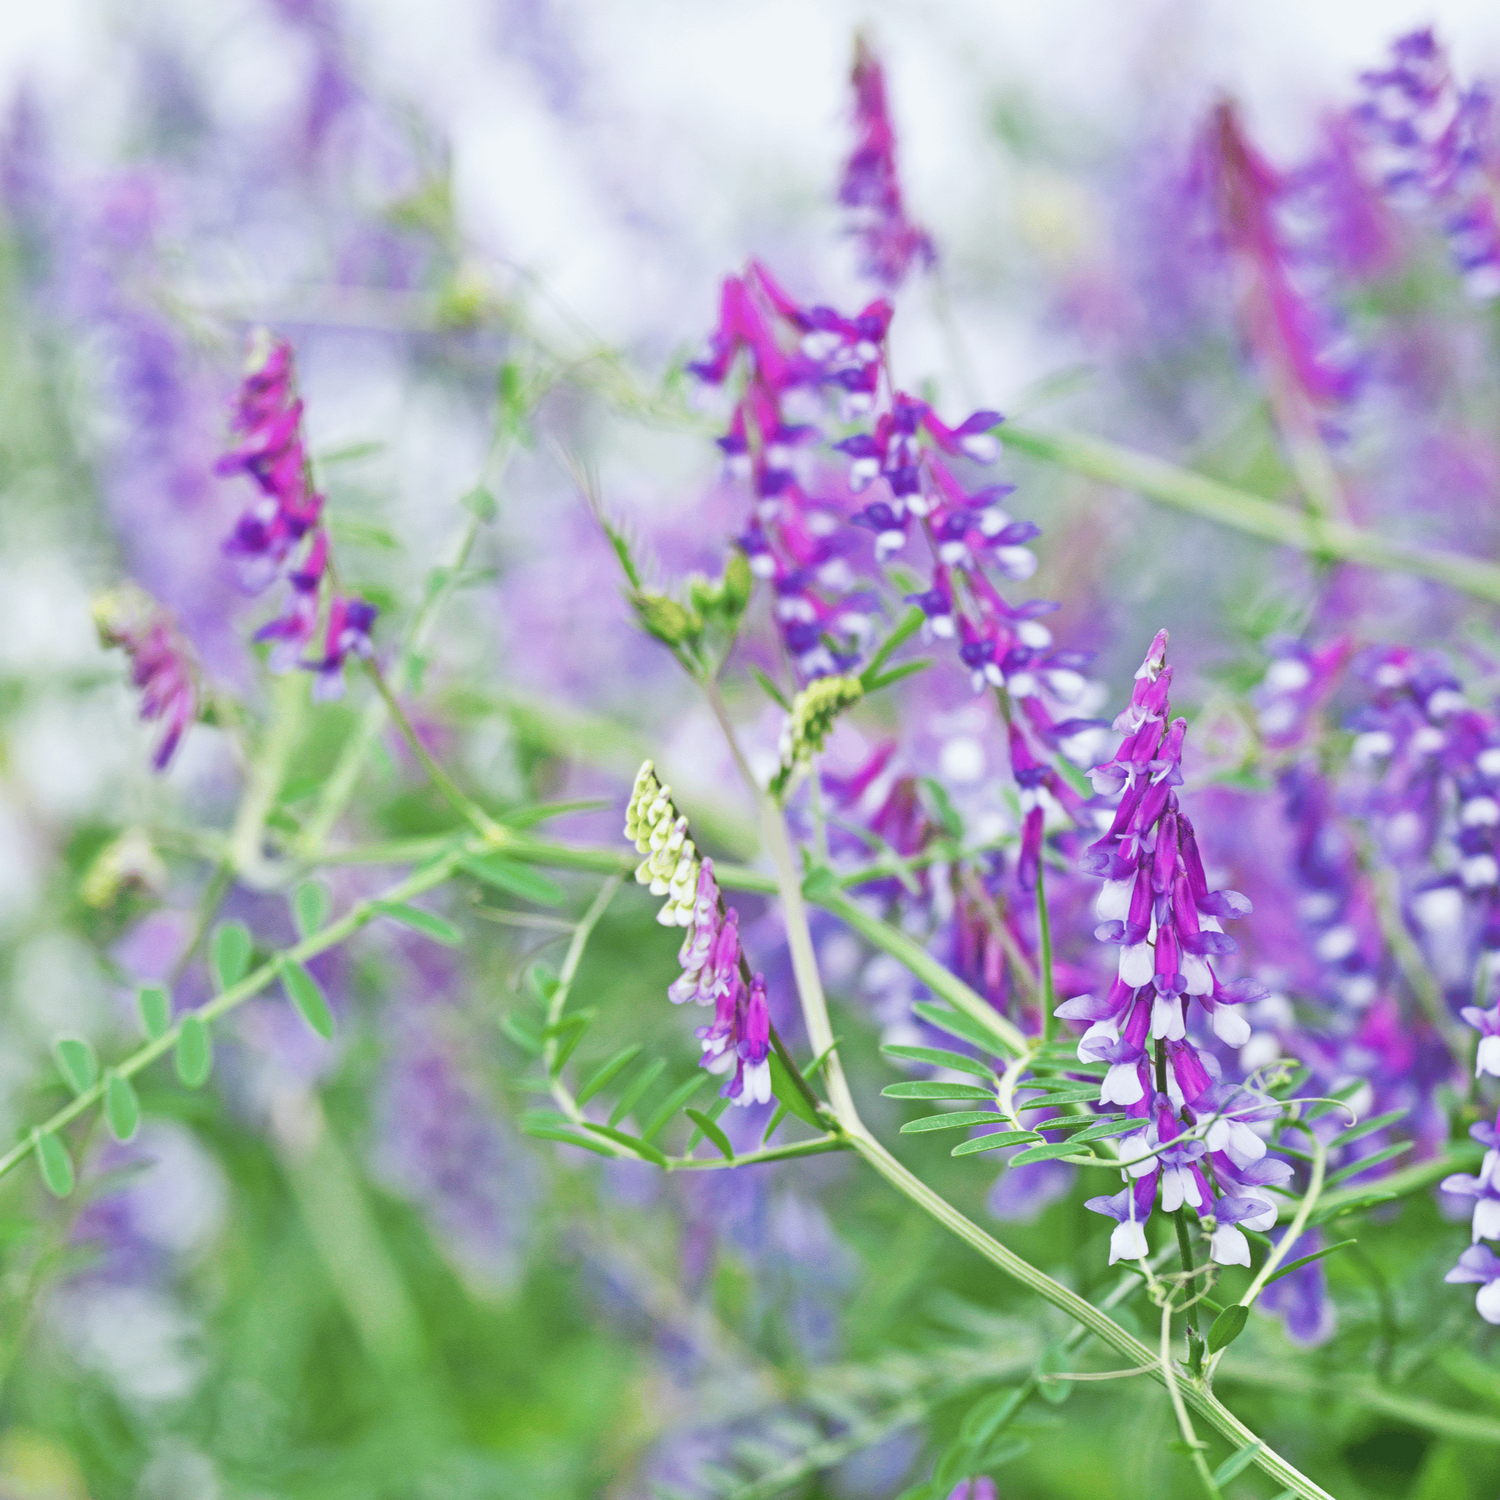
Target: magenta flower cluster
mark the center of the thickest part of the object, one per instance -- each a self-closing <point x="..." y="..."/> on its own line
<point x="1196" y="1141"/>
<point x="282" y="533"/>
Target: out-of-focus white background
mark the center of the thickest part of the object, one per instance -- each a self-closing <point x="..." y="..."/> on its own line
<point x="620" y="150"/>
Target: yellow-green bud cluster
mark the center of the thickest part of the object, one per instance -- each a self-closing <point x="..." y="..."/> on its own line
<point x="813" y="711"/>
<point x="659" y="831"/>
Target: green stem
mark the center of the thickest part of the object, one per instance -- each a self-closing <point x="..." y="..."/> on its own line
<point x="556" y="1005"/>
<point x="252" y="984"/>
<point x="937" y="978"/>
<point x="289" y="699"/>
<point x="1044" y="929"/>
<point x="1170" y="485"/>
<point x="467" y="809"/>
<point x="1168" y="1373"/>
<point x="1185" y="1252"/>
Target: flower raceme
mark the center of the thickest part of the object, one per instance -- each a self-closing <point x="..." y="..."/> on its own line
<point x="890" y="244"/>
<point x="1195" y="1143"/>
<point x="714" y="971"/>
<point x="161" y="662"/>
<point x="288" y="516"/>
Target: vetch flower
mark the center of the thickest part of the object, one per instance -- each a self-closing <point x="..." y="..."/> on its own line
<point x="891" y="243"/>
<point x="161" y="662"/>
<point x="1480" y="1264"/>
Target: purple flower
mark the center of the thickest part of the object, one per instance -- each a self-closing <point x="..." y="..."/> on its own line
<point x="348" y="634"/>
<point x="268" y="421"/>
<point x="1286" y="330"/>
<point x="1483" y="1189"/>
<point x="982" y="1488"/>
<point x="1156" y="905"/>
<point x="1480" y="1264"/>
<point x="161" y="662"/>
<point x="1435" y="146"/>
<point x="890" y="242"/>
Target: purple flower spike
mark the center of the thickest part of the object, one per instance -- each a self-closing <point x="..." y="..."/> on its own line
<point x="1156" y="906"/>
<point x="268" y="420"/>
<point x="891" y="243"/>
<point x="161" y="662"/>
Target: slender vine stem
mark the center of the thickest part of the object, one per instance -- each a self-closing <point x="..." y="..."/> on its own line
<point x="253" y="983"/>
<point x="1044" y="931"/>
<point x="1170" y="485"/>
<point x="559" y="1000"/>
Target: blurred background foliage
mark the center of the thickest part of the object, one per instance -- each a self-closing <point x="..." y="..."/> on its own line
<point x="340" y="1269"/>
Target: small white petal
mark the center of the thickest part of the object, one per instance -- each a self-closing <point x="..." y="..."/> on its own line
<point x="1487" y="1301"/>
<point x="1228" y="1247"/>
<point x="1230" y="1026"/>
<point x="1128" y="1242"/>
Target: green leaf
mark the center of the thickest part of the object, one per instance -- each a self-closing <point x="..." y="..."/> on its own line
<point x="906" y="669"/>
<point x="516" y="1029"/>
<point x="195" y="1052"/>
<point x="776" y="1119"/>
<point x="1054" y="1361"/>
<point x="955" y="1023"/>
<point x="784" y="1086"/>
<point x="643" y="1149"/>
<point x="908" y="625"/>
<point x="529" y="817"/>
<point x="931" y="1089"/>
<point x="122" y="1110"/>
<point x="310" y="906"/>
<point x="993" y="1142"/>
<point x="1080" y="1095"/>
<point x="1297" y="1265"/>
<point x="1227" y="1327"/>
<point x="674" y="1101"/>
<point x="515" y="879"/>
<point x="1099" y="1132"/>
<point x="481" y="503"/>
<point x="1365" y="1163"/>
<point x="77" y="1064"/>
<point x="938" y="1057"/>
<point x="820" y="883"/>
<point x="55" y="1164"/>
<point x="715" y="1109"/>
<point x="773" y="692"/>
<point x="955" y="1118"/>
<point x="1237" y="1463"/>
<point x="635" y="1088"/>
<point x="712" y="1132"/>
<point x="303" y="991"/>
<point x="155" y="1008"/>
<point x="603" y="1075"/>
<point x="1372" y="1199"/>
<point x="942" y="806"/>
<point x="568" y="1137"/>
<point x="1045" y="1152"/>
<point x="231" y="953"/>
<point x="429" y="924"/>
